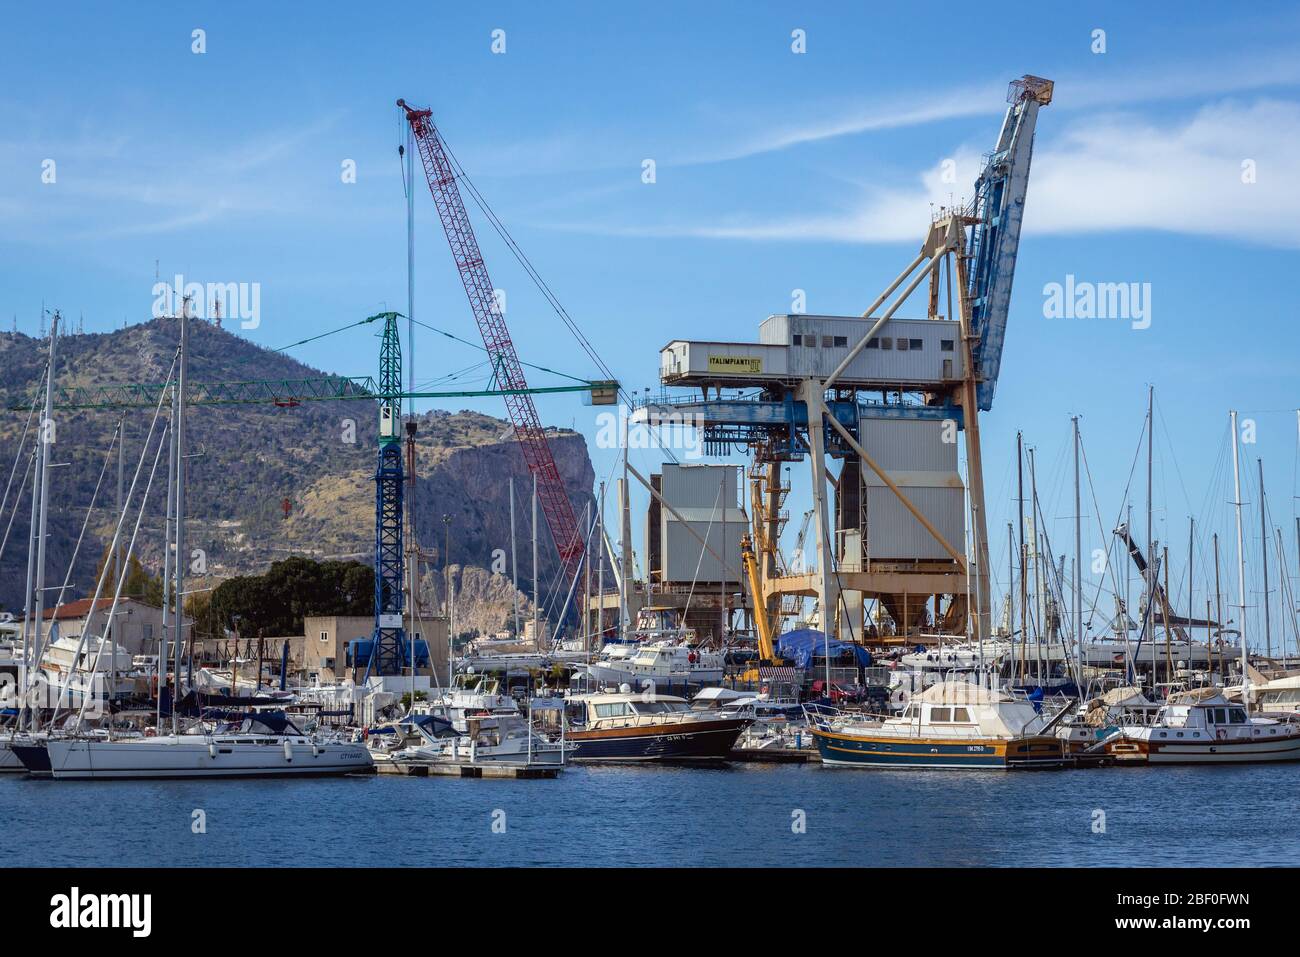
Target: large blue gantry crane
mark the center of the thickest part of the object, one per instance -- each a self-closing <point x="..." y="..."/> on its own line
<point x="808" y="389"/>
<point x="997" y="213"/>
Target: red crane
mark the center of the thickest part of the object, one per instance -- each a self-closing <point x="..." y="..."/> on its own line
<point x="506" y="368"/>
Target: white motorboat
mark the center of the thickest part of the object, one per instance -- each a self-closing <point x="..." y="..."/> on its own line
<point x="656" y="664"/>
<point x="260" y="745"/>
<point x="1100" y="717"/>
<point x="1204" y="727"/>
<point x="491" y="739"/>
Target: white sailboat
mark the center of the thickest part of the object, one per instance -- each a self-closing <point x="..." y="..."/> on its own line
<point x="259" y="745"/>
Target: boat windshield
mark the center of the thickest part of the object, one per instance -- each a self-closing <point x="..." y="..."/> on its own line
<point x="659" y="707"/>
<point x="267" y="724"/>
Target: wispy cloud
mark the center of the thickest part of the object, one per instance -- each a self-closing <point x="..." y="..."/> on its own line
<point x="123" y="186"/>
<point x="1271" y="68"/>
<point x="857" y="119"/>
<point x="1114" y="171"/>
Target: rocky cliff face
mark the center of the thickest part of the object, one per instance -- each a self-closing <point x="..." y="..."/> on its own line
<point x="269" y="481"/>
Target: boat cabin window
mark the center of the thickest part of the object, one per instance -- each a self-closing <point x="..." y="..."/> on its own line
<point x="614" y="710"/>
<point x="961" y="714"/>
<point x="1218" y="715"/>
<point x="1237" y="716"/>
<point x="659" y="707"/>
<point x="941" y="715"/>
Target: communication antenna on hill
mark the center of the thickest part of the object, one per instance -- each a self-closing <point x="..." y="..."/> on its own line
<point x="216" y="311"/>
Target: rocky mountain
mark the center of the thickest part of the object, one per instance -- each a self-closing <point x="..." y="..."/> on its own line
<point x="265" y="481"/>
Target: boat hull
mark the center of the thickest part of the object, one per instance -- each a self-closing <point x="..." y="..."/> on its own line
<point x="701" y="741"/>
<point x="82" y="759"/>
<point x="698" y="678"/>
<point x="34" y="758"/>
<point x="1140" y="751"/>
<point x="9" y="760"/>
<point x="883" y="751"/>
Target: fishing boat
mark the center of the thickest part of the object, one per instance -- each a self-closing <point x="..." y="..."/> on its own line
<point x="263" y="744"/>
<point x="643" y="726"/>
<point x="1203" y="727"/>
<point x="953" y="724"/>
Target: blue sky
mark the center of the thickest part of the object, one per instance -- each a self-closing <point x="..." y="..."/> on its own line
<point x="774" y="172"/>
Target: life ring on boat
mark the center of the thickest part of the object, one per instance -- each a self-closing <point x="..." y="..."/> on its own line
<point x="691" y="657"/>
<point x="1221" y="734"/>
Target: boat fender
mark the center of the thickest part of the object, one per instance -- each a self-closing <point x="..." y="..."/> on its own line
<point x="288" y="750"/>
<point x="315" y="750"/>
<point x="212" y="750"/>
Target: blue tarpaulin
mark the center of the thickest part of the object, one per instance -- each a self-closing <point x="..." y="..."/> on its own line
<point x="800" y="647"/>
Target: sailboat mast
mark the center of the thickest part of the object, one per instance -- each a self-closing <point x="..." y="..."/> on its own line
<point x="1151" y="572"/>
<point x="179" y="630"/>
<point x="167" y="619"/>
<point x="1191" y="605"/>
<point x="1078" y="549"/>
<point x="514" y="561"/>
<point x="1218" y="608"/>
<point x="46" y="435"/>
<point x="1263" y="550"/>
<point x="1024" y="583"/>
<point x="600" y="568"/>
<point x="1241" y="561"/>
<point x="1040" y="606"/>
<point x="586" y="585"/>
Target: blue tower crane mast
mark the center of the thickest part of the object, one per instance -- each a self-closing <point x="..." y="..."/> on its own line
<point x="998" y="210"/>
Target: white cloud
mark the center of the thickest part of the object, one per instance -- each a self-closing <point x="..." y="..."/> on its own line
<point x="1121" y="172"/>
<point x="1101" y="173"/>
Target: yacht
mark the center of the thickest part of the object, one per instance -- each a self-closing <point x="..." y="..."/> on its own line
<point x="470" y="696"/>
<point x="1099" y="718"/>
<point x="492" y="739"/>
<point x="656" y="664"/>
<point x="953" y="724"/>
<point x="263" y="744"/>
<point x="1278" y="695"/>
<point x="644" y="726"/>
<point x="1204" y="727"/>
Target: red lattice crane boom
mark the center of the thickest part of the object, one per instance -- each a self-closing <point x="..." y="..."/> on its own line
<point x="506" y="368"/>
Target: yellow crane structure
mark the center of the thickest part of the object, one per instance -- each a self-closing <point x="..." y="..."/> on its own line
<point x="762" y="623"/>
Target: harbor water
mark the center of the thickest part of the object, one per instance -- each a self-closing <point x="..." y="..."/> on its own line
<point x="740" y="815"/>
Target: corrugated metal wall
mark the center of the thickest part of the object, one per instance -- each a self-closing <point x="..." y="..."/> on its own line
<point x="707" y="497"/>
<point x="924" y="466"/>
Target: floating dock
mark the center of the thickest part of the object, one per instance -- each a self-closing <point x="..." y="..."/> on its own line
<point x="467" y="769"/>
